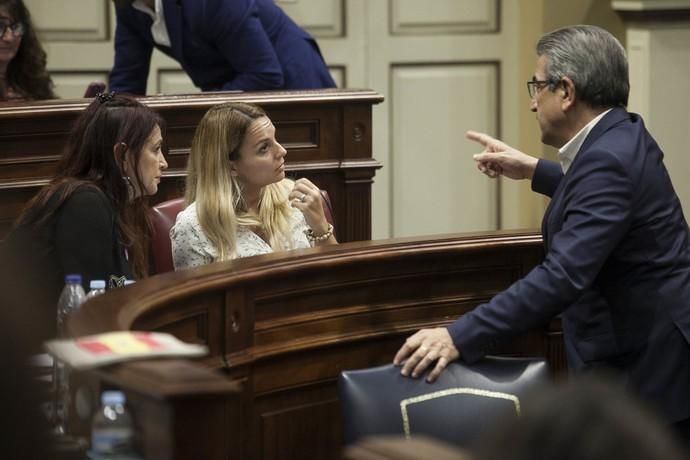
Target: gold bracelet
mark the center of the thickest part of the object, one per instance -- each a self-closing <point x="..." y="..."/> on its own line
<point x="309" y="233"/>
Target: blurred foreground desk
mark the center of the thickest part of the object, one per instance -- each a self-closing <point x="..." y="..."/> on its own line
<point x="180" y="408"/>
<point x="283" y="326"/>
<point x="327" y="134"/>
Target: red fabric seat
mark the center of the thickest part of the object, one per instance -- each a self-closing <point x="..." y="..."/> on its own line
<point x="163" y="217"/>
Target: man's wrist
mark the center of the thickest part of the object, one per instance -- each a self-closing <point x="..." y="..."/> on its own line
<point x="531" y="167"/>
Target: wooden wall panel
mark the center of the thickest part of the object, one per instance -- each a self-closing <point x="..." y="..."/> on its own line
<point x="436" y="186"/>
<point x="321" y="18"/>
<point x="422" y="56"/>
<point x="73" y="84"/>
<point x="659" y="56"/>
<point x="174" y="81"/>
<point x="71" y="20"/>
<point x="411" y="17"/>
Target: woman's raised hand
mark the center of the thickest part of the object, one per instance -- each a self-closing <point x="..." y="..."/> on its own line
<point x="306" y="197"/>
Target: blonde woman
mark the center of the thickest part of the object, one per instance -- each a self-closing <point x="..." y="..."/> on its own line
<point x="239" y="202"/>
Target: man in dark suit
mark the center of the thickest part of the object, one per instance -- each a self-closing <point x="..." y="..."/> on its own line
<point x="617" y="263"/>
<point x="221" y="44"/>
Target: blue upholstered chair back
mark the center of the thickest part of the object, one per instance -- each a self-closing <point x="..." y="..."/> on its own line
<point x="463" y="403"/>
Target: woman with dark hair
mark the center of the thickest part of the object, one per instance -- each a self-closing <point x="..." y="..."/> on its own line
<point x="23" y="73"/>
<point x="91" y="218"/>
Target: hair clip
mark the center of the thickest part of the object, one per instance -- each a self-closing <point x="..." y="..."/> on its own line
<point x="105" y="97"/>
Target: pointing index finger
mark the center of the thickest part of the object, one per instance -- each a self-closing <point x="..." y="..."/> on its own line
<point x="478" y="137"/>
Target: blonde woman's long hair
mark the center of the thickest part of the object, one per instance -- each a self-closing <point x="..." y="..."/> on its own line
<point x="220" y="206"/>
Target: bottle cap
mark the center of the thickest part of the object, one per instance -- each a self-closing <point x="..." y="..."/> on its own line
<point x="73" y="278"/>
<point x="97" y="284"/>
<point x="112" y="397"/>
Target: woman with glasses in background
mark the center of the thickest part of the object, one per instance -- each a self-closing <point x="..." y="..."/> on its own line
<point x="23" y="73"/>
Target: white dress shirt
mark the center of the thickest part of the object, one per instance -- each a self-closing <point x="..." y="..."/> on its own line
<point x="158" y="29"/>
<point x="566" y="154"/>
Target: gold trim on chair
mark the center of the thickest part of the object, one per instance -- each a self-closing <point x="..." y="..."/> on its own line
<point x="449" y="392"/>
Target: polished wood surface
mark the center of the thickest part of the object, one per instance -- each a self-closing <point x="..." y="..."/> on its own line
<point x="285" y="325"/>
<point x="327" y="134"/>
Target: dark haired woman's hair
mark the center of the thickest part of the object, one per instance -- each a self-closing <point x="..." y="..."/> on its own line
<point x="26" y="72"/>
<point x="94" y="156"/>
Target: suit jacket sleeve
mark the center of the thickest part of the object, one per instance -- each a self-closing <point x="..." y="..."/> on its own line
<point x="596" y="216"/>
<point x="236" y="30"/>
<point x="546" y="177"/>
<point x="132" y="55"/>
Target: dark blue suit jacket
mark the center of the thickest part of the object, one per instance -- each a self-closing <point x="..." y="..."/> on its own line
<point x="222" y="45"/>
<point x="617" y="267"/>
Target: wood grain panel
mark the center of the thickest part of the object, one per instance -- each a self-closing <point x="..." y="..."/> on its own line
<point x="279" y="434"/>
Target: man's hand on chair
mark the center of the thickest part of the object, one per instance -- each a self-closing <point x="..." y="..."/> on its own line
<point x="423" y="349"/>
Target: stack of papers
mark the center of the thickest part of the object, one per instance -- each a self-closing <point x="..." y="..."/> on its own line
<point x="112" y="347"/>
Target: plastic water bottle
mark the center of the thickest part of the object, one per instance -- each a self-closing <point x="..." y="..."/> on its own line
<point x="71" y="298"/>
<point x="112" y="430"/>
<point x="96" y="287"/>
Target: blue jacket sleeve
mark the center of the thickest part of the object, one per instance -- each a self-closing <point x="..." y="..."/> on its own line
<point x="546" y="177"/>
<point x="236" y="30"/>
<point x="593" y="224"/>
<point x="132" y="55"/>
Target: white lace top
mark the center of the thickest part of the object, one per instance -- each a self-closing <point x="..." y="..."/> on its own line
<point x="191" y="247"/>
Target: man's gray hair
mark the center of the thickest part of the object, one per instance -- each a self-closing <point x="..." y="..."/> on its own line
<point x="592" y="58"/>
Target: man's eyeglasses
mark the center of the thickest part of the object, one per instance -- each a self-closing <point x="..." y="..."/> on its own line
<point x="17" y="29"/>
<point x="533" y="87"/>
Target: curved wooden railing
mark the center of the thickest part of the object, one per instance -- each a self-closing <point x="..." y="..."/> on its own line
<point x="284" y="325"/>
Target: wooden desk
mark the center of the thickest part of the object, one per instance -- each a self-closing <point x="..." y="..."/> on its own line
<point x="285" y="325"/>
<point x="180" y="408"/>
<point x="327" y="134"/>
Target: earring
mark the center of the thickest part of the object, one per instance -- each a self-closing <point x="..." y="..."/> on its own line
<point x="131" y="191"/>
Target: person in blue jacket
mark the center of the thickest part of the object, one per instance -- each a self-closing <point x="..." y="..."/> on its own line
<point x="247" y="45"/>
<point x="617" y="245"/>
